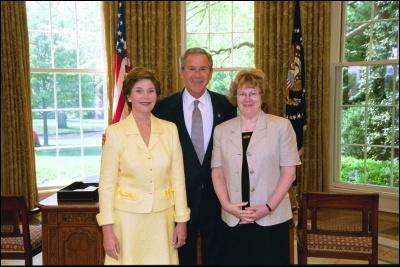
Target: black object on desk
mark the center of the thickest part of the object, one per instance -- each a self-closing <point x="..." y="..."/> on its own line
<point x="79" y="191"/>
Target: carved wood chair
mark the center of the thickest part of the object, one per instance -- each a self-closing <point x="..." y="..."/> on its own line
<point x="19" y="238"/>
<point x="338" y="225"/>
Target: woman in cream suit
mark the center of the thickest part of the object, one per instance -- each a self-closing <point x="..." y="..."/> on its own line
<point x="253" y="164"/>
<point x="142" y="194"/>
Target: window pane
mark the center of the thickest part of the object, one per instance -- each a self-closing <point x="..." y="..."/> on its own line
<point x="71" y="167"/>
<point x="42" y="86"/>
<point x="198" y="40"/>
<point x="92" y="131"/>
<point x="63" y="15"/>
<point x="353" y="125"/>
<point x="90" y="50"/>
<point x="378" y="93"/>
<point x="222" y="55"/>
<point x="92" y="91"/>
<point x="357" y="42"/>
<point x="390" y="84"/>
<point x="197" y="17"/>
<point x="220" y="16"/>
<point x="243" y="53"/>
<point x="40" y="50"/>
<point x="378" y="169"/>
<point x="221" y="81"/>
<point x="88" y="14"/>
<point x="358" y="11"/>
<point x="46" y="167"/>
<point x="64" y="50"/>
<point x="387" y="9"/>
<point x="241" y="16"/>
<point x="379" y="127"/>
<point x="354" y="80"/>
<point x="384" y="40"/>
<point x="38" y="15"/>
<point x="371" y="36"/>
<point x="67" y="90"/>
<point x="92" y="158"/>
<point x="45" y="126"/>
<point x="352" y="164"/>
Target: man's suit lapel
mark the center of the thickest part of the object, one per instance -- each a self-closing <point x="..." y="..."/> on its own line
<point x="218" y="117"/>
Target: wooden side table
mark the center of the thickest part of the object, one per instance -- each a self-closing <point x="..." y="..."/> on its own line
<point x="70" y="233"/>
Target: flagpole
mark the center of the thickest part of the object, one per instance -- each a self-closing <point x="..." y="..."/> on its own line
<point x="121" y="66"/>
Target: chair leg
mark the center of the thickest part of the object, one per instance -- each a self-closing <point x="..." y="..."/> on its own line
<point x="301" y="259"/>
<point x="28" y="261"/>
<point x="298" y="253"/>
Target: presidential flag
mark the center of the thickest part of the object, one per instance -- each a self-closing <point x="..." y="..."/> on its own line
<point x="295" y="83"/>
<point x="121" y="66"/>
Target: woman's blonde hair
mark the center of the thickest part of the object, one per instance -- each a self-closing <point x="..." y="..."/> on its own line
<point x="251" y="78"/>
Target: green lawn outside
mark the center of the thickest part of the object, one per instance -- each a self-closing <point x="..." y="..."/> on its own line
<point x="70" y="158"/>
<point x="89" y="125"/>
<point x="70" y="165"/>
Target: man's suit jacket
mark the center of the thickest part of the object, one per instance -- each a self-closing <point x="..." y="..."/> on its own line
<point x="197" y="176"/>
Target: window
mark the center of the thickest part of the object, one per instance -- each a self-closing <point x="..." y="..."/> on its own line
<point x="226" y="30"/>
<point x="68" y="89"/>
<point x="366" y="115"/>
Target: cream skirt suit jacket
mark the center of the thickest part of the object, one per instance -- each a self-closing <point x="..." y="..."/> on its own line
<point x="142" y="191"/>
<point x="273" y="144"/>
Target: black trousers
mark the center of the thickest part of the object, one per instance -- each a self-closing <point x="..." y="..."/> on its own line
<point x="210" y="226"/>
<point x="252" y="244"/>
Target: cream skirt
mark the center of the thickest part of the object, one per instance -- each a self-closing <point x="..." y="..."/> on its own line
<point x="145" y="238"/>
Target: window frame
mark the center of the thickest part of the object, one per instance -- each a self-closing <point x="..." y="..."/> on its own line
<point x="231" y="70"/>
<point x="47" y="189"/>
<point x="389" y="196"/>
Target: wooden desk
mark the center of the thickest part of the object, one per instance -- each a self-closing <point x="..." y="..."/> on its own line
<point x="71" y="235"/>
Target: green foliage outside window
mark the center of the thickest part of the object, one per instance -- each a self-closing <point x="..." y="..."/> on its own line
<point x="378" y="172"/>
<point x="369" y="120"/>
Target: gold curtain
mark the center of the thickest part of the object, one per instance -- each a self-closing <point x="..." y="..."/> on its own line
<point x="153" y="30"/>
<point x="273" y="34"/>
<point x="18" y="171"/>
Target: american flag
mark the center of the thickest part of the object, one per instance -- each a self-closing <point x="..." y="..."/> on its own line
<point x="121" y="66"/>
<point x="295" y="83"/>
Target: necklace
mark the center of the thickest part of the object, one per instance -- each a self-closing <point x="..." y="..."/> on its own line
<point x="248" y="126"/>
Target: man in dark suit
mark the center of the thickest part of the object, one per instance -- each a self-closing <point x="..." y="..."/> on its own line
<point x="196" y="68"/>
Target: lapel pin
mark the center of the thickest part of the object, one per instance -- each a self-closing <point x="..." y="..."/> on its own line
<point x="219" y="115"/>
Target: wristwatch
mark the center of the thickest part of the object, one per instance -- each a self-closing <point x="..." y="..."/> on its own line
<point x="270" y="210"/>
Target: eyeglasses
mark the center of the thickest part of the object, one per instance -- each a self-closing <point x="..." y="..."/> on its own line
<point x="252" y="95"/>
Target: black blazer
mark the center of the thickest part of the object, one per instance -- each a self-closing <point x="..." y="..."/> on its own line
<point x="197" y="176"/>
